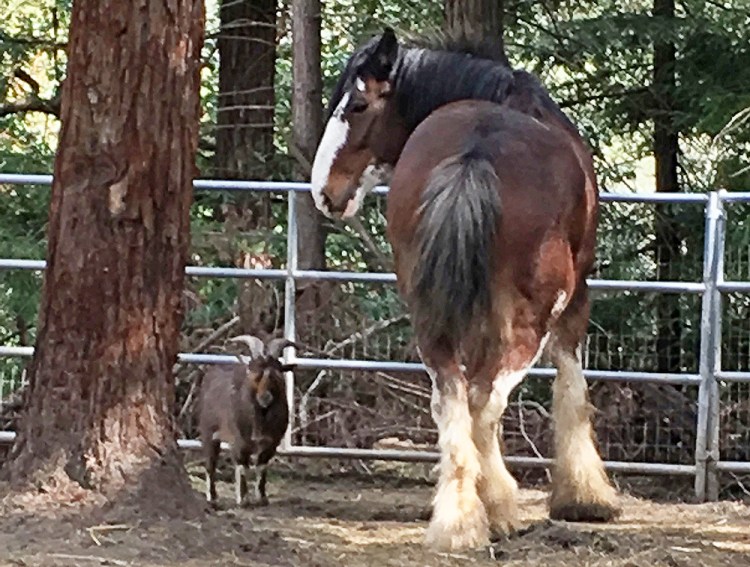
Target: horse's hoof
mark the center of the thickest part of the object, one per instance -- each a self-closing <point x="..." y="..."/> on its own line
<point x="503" y="519"/>
<point x="502" y="531"/>
<point x="585" y="512"/>
<point x="468" y="532"/>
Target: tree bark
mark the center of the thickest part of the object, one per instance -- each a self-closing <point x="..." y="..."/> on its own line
<point x="477" y="20"/>
<point x="244" y="140"/>
<point x="666" y="227"/>
<point x="307" y="128"/>
<point x="247" y="66"/>
<point x="307" y="123"/>
<point x="99" y="416"/>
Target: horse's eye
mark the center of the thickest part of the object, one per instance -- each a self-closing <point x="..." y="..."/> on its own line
<point x="358" y="107"/>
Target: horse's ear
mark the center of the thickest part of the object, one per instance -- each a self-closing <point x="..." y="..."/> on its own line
<point x="384" y="56"/>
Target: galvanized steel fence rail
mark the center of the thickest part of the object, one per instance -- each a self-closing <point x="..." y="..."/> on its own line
<point x="707" y="459"/>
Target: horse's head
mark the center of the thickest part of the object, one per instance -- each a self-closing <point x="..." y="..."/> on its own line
<point x="364" y="134"/>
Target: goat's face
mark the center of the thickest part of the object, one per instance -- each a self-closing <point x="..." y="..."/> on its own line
<point x="267" y="380"/>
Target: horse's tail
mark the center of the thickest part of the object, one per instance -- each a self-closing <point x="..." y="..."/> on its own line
<point x="451" y="281"/>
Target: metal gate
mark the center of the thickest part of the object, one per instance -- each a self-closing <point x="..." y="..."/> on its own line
<point x="708" y="380"/>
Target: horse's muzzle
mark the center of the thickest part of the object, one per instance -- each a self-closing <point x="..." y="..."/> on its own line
<point x="337" y="205"/>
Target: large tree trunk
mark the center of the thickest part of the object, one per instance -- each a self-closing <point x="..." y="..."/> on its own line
<point x="478" y="20"/>
<point x="99" y="416"/>
<point x="307" y="127"/>
<point x="244" y="141"/>
<point x="666" y="227"/>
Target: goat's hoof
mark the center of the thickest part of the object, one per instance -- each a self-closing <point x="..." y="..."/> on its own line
<point x="253" y="503"/>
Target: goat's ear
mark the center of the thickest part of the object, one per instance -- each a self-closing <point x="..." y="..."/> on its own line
<point x="256" y="346"/>
<point x="277" y="346"/>
<point x="288" y="367"/>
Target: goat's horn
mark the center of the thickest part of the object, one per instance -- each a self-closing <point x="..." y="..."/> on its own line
<point x="256" y="346"/>
<point x="276" y="346"/>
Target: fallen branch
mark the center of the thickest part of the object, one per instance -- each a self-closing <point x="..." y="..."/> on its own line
<point x="740" y="484"/>
<point x="302" y="411"/>
<point x="359" y="335"/>
<point x="406" y="402"/>
<point x="102" y="560"/>
<point x="299" y="157"/>
<point x="520" y="404"/>
<point x="31" y="104"/>
<point x="223" y="329"/>
<point x="522" y="429"/>
<point x="409" y="387"/>
<point x="93" y="530"/>
<point x="307" y="424"/>
<point x="355" y="223"/>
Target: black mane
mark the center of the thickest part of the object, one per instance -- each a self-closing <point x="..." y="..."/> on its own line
<point x="425" y="80"/>
<point x="436" y="70"/>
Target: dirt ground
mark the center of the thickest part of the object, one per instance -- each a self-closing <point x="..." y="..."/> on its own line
<point x="376" y="521"/>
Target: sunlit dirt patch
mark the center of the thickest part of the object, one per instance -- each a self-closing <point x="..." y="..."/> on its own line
<point x="376" y="522"/>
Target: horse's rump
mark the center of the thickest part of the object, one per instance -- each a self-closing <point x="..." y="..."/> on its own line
<point x="484" y="201"/>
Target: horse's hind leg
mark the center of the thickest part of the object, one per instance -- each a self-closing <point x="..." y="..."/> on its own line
<point x="497" y="488"/>
<point x="581" y="490"/>
<point x="458" y="519"/>
<point x="491" y="386"/>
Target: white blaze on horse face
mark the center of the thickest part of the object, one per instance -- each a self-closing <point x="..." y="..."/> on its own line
<point x="334" y="138"/>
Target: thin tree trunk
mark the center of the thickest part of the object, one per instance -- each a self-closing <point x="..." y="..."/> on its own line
<point x="478" y="20"/>
<point x="307" y="122"/>
<point x="307" y="127"/>
<point x="666" y="227"/>
<point x="99" y="417"/>
<point x="247" y="64"/>
<point x="244" y="141"/>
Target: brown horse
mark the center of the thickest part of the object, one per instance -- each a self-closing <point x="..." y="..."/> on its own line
<point x="492" y="215"/>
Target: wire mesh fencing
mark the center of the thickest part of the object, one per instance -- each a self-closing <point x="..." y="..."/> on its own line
<point x="645" y="349"/>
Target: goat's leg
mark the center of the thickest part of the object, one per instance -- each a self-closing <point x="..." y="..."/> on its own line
<point x="241" y="462"/>
<point x="261" y="471"/>
<point x="458" y="519"/>
<point x="211" y="450"/>
<point x="240" y="484"/>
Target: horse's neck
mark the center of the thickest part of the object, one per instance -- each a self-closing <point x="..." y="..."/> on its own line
<point x="516" y="89"/>
<point x="427" y="79"/>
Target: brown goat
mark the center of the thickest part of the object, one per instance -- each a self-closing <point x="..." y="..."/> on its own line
<point x="245" y="405"/>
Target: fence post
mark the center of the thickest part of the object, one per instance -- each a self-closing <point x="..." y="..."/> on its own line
<point x="707" y="437"/>
<point x="290" y="313"/>
<point x="714" y="423"/>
